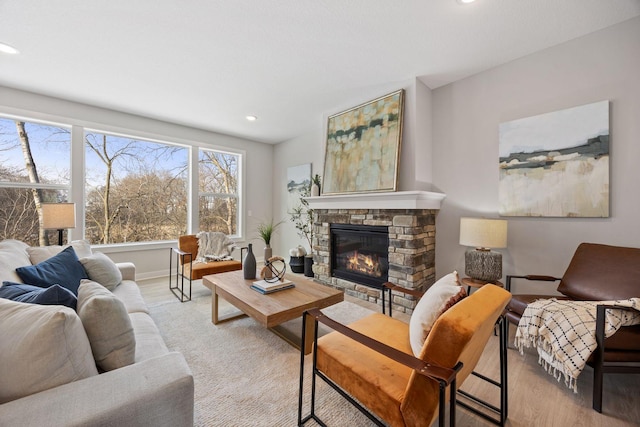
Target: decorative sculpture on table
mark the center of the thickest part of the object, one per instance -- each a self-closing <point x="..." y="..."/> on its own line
<point x="273" y="270"/>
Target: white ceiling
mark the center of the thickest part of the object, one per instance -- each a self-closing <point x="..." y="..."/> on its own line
<point x="209" y="63"/>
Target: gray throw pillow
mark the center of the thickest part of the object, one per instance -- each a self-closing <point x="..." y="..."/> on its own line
<point x="108" y="326"/>
<point x="42" y="347"/>
<point x="100" y="268"/>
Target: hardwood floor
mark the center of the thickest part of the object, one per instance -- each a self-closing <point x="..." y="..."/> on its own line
<point x="535" y="397"/>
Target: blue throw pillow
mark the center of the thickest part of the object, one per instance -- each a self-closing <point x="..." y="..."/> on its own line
<point x="63" y="269"/>
<point x="53" y="295"/>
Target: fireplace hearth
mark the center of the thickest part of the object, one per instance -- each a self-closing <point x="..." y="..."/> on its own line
<point x="360" y="253"/>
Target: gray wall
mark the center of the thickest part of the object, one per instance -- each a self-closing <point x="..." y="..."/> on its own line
<point x="460" y="154"/>
<point x="601" y="66"/>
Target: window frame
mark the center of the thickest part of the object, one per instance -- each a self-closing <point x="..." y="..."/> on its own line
<point x="238" y="196"/>
<point x="44" y="186"/>
<point x="76" y="190"/>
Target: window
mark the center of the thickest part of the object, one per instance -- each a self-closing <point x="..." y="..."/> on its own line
<point x="136" y="190"/>
<point x="218" y="185"/>
<point x="35" y="161"/>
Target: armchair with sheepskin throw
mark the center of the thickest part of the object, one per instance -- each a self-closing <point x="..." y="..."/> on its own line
<point x="371" y="362"/>
<point x="198" y="255"/>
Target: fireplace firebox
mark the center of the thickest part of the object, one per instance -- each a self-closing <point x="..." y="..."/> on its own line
<point x="360" y="253"/>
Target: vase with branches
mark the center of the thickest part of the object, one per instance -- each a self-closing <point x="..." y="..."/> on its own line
<point x="302" y="218"/>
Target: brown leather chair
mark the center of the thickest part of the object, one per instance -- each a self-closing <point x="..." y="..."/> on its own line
<point x="185" y="255"/>
<point x="371" y="364"/>
<point x="596" y="273"/>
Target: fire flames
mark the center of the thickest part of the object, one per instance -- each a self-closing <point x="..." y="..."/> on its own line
<point x="365" y="264"/>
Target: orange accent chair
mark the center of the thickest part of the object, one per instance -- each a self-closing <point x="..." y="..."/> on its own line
<point x="185" y="255"/>
<point x="371" y="364"/>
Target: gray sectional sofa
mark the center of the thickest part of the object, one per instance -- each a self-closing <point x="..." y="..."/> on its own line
<point x="155" y="390"/>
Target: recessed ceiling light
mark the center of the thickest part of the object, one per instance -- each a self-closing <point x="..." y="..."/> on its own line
<point x="252" y="118"/>
<point x="5" y="48"/>
<point x="465" y="1"/>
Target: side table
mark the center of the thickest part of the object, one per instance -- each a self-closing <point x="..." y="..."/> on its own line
<point x="475" y="283"/>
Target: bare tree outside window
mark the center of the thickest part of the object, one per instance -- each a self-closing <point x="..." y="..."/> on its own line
<point x="218" y="191"/>
<point x="136" y="189"/>
<point x="34" y="169"/>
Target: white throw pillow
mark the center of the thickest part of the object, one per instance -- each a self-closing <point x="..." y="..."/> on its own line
<point x="108" y="326"/>
<point x="441" y="296"/>
<point x="13" y="254"/>
<point x="100" y="268"/>
<point x="38" y="254"/>
<point x="41" y="347"/>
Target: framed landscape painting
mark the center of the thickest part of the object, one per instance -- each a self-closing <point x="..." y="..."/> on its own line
<point x="556" y="164"/>
<point x="298" y="180"/>
<point x="363" y="147"/>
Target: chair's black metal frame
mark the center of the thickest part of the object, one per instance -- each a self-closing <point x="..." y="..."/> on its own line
<point x="178" y="289"/>
<point x="445" y="376"/>
<point x="492" y="413"/>
<point x="502" y="411"/>
<point x="600" y="366"/>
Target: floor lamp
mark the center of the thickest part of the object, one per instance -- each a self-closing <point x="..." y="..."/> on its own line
<point x="58" y="216"/>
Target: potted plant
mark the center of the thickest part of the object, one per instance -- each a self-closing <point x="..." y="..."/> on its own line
<point x="266" y="230"/>
<point x="315" y="185"/>
<point x="302" y="218"/>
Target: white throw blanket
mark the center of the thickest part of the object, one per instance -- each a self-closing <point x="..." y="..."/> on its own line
<point x="564" y="332"/>
<point x="214" y="246"/>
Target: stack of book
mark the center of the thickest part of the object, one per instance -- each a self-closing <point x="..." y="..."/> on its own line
<point x="265" y="287"/>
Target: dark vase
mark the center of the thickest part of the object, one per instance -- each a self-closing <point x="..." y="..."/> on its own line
<point x="297" y="264"/>
<point x="308" y="266"/>
<point x="249" y="264"/>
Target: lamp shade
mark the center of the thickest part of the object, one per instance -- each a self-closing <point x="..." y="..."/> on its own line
<point x="483" y="233"/>
<point x="58" y="216"/>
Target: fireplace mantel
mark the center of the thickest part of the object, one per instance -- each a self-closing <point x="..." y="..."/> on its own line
<point x="389" y="200"/>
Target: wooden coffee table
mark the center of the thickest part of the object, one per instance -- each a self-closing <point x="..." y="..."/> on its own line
<point x="273" y="309"/>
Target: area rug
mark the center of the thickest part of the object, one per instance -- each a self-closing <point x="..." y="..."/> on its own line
<point x="244" y="374"/>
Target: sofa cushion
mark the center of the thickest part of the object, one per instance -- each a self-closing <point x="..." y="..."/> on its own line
<point x="129" y="293"/>
<point x="37" y="254"/>
<point x="149" y="342"/>
<point x="42" y="346"/>
<point x="101" y="269"/>
<point x="13" y="254"/>
<point x="53" y="295"/>
<point x="441" y="296"/>
<point x="108" y="326"/>
<point x="63" y="269"/>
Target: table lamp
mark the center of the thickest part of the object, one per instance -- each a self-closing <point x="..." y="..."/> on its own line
<point x="58" y="216"/>
<point x="481" y="263"/>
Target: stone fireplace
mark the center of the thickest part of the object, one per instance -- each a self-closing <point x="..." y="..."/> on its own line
<point x="406" y="220"/>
